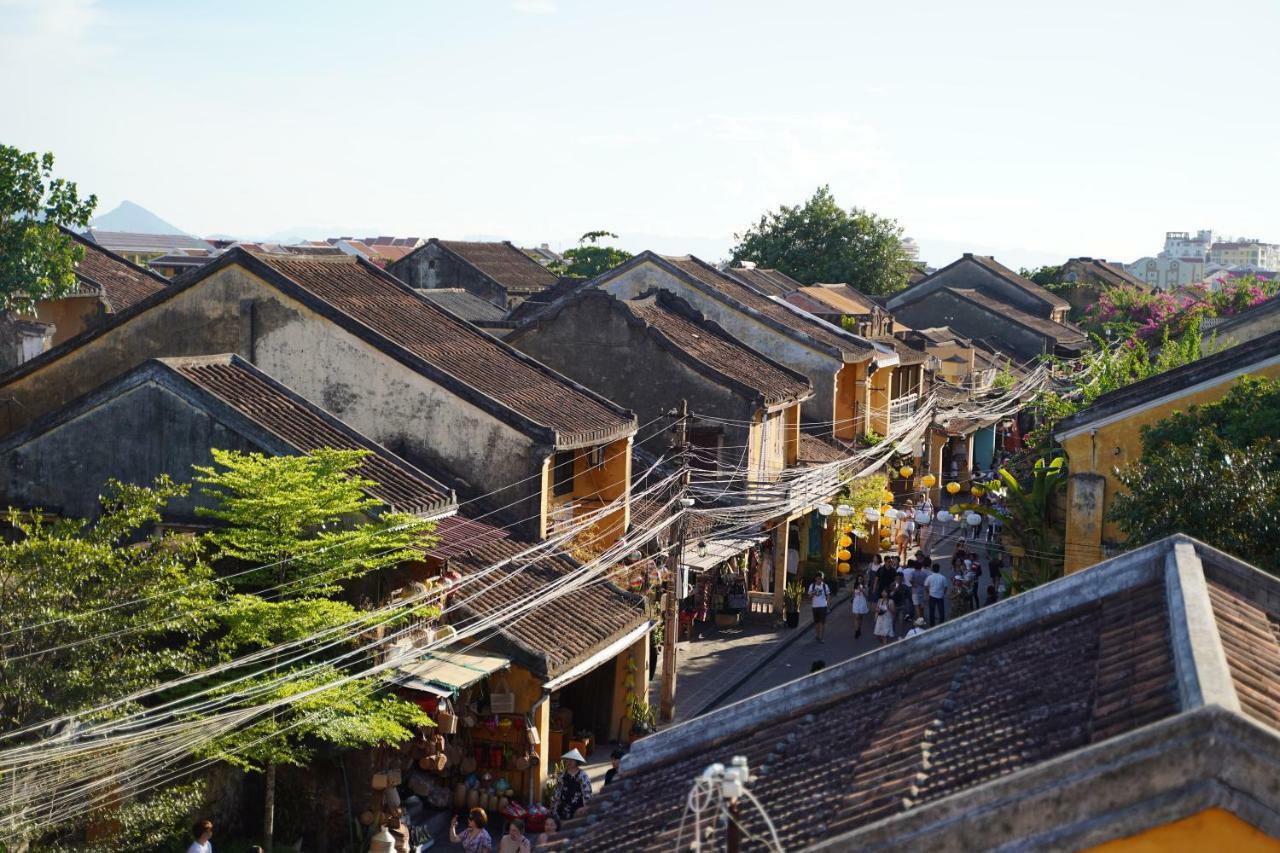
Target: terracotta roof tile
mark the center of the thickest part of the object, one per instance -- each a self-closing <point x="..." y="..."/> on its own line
<point x="557" y="635"/>
<point x="120" y="282"/>
<point x="395" y="311"/>
<point x="504" y="263"/>
<point x="767" y="281"/>
<point x="735" y="289"/>
<point x="306" y="428"/>
<point x="704" y="341"/>
<point x="1251" y="639"/>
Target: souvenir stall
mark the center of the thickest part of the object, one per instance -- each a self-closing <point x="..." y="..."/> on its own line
<point x="717" y="578"/>
<point x="485" y="749"/>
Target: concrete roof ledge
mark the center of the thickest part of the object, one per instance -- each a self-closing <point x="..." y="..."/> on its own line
<point x="1204" y="677"/>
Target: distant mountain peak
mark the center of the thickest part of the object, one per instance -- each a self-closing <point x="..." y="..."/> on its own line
<point x="132" y="217"/>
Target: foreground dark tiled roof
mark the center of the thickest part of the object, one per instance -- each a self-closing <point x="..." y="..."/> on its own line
<point x="119" y="282"/>
<point x="945" y="726"/>
<point x="306" y="427"/>
<point x="464" y="304"/>
<point x="707" y="344"/>
<point x="396" y="312"/>
<point x="559" y="634"/>
<point x="504" y="263"/>
<point x="767" y="281"/>
<point x="1264" y="349"/>
<point x="731" y="287"/>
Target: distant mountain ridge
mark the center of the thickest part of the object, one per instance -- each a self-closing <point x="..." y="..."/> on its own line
<point x="135" y="219"/>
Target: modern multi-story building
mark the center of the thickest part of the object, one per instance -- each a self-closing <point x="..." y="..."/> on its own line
<point x="1166" y="273"/>
<point x="1246" y="252"/>
<point x="1180" y="244"/>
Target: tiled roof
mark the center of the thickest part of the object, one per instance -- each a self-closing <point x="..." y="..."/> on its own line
<point x="306" y="427"/>
<point x="1220" y="364"/>
<point x="120" y="282"/>
<point x="707" y="344"/>
<point x="557" y="635"/>
<point x="944" y="726"/>
<point x="1109" y="273"/>
<point x="128" y="241"/>
<point x="729" y="286"/>
<point x="907" y="354"/>
<point x="992" y="265"/>
<point x="394" y="311"/>
<point x="840" y="298"/>
<point x="463" y="303"/>
<point x="815" y="450"/>
<point x="530" y="308"/>
<point x="1063" y="333"/>
<point x="504" y="263"/>
<point x="767" y="281"/>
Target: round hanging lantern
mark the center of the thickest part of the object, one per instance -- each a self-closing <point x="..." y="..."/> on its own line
<point x="887" y="496"/>
<point x="871" y="513"/>
<point x="825" y="509"/>
<point x="906" y="471"/>
<point x="843" y="568"/>
<point x="922" y="517"/>
<point x="844" y="510"/>
<point x="974" y="519"/>
<point x="928" y="481"/>
<point x="953" y="488"/>
<point x="943" y="516"/>
<point x="843" y="554"/>
<point x="976" y="490"/>
<point x="884" y="511"/>
<point x="845" y="541"/>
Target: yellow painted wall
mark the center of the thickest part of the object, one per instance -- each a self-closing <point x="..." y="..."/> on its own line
<point x="594" y="486"/>
<point x="848" y="395"/>
<point x="1212" y="829"/>
<point x="878" y="400"/>
<point x="1116" y="445"/>
<point x="791" y="417"/>
<point x="70" y="316"/>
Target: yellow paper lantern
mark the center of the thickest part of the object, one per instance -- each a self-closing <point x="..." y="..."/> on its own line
<point x="844" y="555"/>
<point x="976" y="490"/>
<point x="843" y="568"/>
<point x="953" y="488"/>
<point x="884" y="511"/>
<point x="887" y="496"/>
<point x="845" y="541"/>
<point x="906" y="471"/>
<point x="929" y="481"/>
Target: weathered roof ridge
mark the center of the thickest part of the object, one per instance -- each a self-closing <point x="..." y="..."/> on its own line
<point x="1180" y="380"/>
<point x="1060" y="332"/>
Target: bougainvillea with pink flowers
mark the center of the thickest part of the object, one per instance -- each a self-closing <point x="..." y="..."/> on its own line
<point x="1126" y="312"/>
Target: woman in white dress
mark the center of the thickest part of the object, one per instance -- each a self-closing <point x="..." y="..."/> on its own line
<point x="884" y="620"/>
<point x="860" y="608"/>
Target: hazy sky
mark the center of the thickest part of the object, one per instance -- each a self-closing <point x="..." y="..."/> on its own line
<point x="1065" y="128"/>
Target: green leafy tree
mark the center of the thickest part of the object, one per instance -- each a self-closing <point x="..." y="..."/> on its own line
<point x="819" y="241"/>
<point x="93" y="610"/>
<point x="37" y="260"/>
<point x="1047" y="276"/>
<point x="158" y="823"/>
<point x="1035" y="543"/>
<point x="590" y="259"/>
<point x="311" y="524"/>
<point x="1226" y="456"/>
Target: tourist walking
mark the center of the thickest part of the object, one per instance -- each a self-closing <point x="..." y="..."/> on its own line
<point x="936" y="585"/>
<point x="884" y="619"/>
<point x="201" y="832"/>
<point x="573" y="787"/>
<point x="859" y="608"/>
<point x="819" y="592"/>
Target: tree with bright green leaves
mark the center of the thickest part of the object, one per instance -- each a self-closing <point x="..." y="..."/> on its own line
<point x="1048" y="276"/>
<point x="92" y="610"/>
<point x="312" y="526"/>
<point x="1210" y="472"/>
<point x="1035" y="545"/>
<point x="37" y="260"/>
<point x="590" y="259"/>
<point x="819" y="241"/>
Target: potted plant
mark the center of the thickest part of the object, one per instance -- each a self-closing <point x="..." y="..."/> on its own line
<point x="791" y="598"/>
<point x="643" y="719"/>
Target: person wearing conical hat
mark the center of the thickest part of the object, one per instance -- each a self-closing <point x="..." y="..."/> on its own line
<point x="573" y="787"/>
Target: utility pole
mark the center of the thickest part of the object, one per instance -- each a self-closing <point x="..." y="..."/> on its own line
<point x="671" y="614"/>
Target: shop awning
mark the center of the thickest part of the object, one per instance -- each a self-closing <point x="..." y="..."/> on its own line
<point x="600" y="658"/>
<point x="446" y="671"/>
<point x="718" y="550"/>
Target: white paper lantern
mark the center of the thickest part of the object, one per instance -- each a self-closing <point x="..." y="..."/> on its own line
<point x="825" y="509"/>
<point x="943" y="516"/>
<point x="922" y="517"/>
<point x="872" y="513"/>
<point x="974" y="519"/>
<point x="844" y="510"/>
